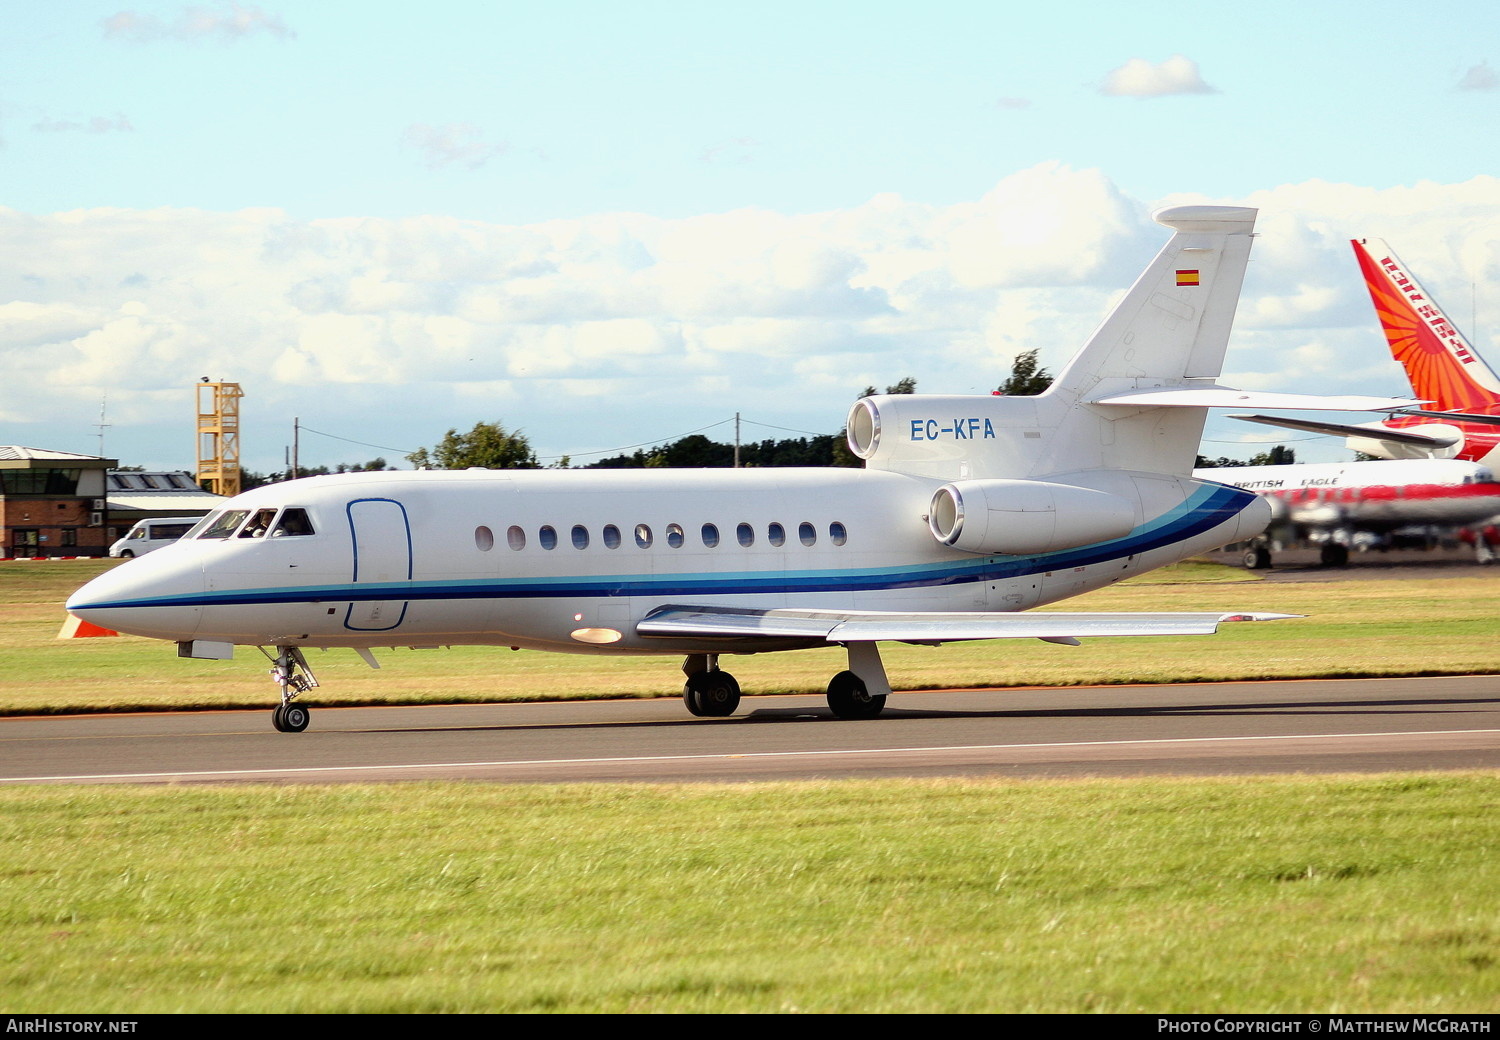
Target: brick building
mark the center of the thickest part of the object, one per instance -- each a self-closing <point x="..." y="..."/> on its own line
<point x="53" y="503"/>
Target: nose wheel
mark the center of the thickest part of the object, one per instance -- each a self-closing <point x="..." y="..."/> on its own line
<point x="291" y="674"/>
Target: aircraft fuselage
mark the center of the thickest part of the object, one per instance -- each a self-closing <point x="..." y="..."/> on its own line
<point x="573" y="560"/>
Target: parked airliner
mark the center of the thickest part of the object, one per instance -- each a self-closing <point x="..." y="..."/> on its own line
<point x="1339" y="499"/>
<point x="969" y="510"/>
<point x="1461" y="391"/>
<point x="1444" y="452"/>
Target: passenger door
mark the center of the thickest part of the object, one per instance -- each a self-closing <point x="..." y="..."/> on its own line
<point x="381" y="537"/>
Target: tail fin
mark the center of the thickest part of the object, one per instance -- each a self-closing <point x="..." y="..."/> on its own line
<point x="1169" y="332"/>
<point x="1439" y="361"/>
<point x="1174" y="323"/>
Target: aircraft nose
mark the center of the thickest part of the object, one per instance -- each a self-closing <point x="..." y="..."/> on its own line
<point x="159" y="598"/>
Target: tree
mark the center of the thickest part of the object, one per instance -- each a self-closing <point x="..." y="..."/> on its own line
<point x="250" y="480"/>
<point x="1027" y="378"/>
<point x="907" y="385"/>
<point x="1280" y="455"/>
<point x="487" y="446"/>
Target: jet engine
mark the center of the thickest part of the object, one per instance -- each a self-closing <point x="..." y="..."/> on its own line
<point x="1020" y="517"/>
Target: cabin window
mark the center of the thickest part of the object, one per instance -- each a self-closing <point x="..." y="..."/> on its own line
<point x="776" y="535"/>
<point x="807" y="533"/>
<point x="547" y="536"/>
<point x="675" y="537"/>
<point x="484" y="539"/>
<point x="515" y="538"/>
<point x="746" y="534"/>
<point x="710" y="535"/>
<point x="642" y="536"/>
<point x="837" y="533"/>
<point x="225" y="523"/>
<point x="295" y="522"/>
<point x="580" y="536"/>
<point x="611" y="536"/>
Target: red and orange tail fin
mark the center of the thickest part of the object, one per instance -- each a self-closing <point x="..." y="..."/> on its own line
<point x="1440" y="363"/>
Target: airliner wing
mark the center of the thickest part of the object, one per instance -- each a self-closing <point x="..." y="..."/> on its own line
<point x="1229" y="397"/>
<point x="1469" y="417"/>
<point x="842" y="626"/>
<point x="1374" y="433"/>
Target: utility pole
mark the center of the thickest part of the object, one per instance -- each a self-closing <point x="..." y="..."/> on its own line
<point x="736" y="440"/>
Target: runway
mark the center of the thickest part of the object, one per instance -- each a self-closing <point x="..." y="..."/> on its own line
<point x="1358" y="725"/>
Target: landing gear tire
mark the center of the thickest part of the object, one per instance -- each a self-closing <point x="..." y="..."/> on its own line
<point x="848" y="698"/>
<point x="1334" y="555"/>
<point x="290" y="718"/>
<point x="1257" y="559"/>
<point x="711" y="694"/>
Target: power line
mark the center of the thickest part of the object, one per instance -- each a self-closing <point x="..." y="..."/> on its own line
<point x="350" y="440"/>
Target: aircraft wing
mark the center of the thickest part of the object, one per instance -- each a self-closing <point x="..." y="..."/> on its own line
<point x="1229" y="397"/>
<point x="1469" y="417"/>
<point x="845" y="626"/>
<point x="1373" y="433"/>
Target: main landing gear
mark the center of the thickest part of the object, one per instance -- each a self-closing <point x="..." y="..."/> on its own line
<point x="290" y="671"/>
<point x="857" y="693"/>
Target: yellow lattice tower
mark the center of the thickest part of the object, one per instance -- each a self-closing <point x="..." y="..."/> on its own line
<point x="219" y="437"/>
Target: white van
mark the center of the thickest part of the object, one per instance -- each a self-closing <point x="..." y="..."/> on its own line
<point x="152" y="534"/>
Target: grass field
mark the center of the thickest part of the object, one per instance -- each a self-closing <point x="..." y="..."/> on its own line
<point x="1359" y="628"/>
<point x="1368" y="894"/>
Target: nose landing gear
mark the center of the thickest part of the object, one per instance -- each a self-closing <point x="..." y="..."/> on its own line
<point x="290" y="671"/>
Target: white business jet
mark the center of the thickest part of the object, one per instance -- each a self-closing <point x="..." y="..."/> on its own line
<point x="969" y="510"/>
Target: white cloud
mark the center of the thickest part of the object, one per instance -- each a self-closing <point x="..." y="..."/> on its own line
<point x="1479" y="77"/>
<point x="737" y="151"/>
<point x="452" y="144"/>
<point x="224" y="23"/>
<point x="1139" y="78"/>
<point x="93" y="125"/>
<point x="605" y="330"/>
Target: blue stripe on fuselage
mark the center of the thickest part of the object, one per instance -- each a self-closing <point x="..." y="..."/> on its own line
<point x="1210" y="506"/>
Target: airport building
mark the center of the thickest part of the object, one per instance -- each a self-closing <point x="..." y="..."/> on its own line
<point x="53" y="503"/>
<point x="57" y="503"/>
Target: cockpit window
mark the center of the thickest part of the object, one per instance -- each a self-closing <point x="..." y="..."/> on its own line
<point x="293" y="522"/>
<point x="224" y="524"/>
<point x="197" y="528"/>
<point x="259" y="524"/>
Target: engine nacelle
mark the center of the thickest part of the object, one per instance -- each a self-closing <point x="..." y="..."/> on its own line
<point x="1023" y="517"/>
<point x="966" y="436"/>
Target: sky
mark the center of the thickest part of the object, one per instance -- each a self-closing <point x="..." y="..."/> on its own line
<point x="610" y="225"/>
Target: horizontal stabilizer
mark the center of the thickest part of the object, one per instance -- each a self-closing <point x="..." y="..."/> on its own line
<point x="833" y="626"/>
<point x="1374" y="433"/>
<point x="1229" y="397"/>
